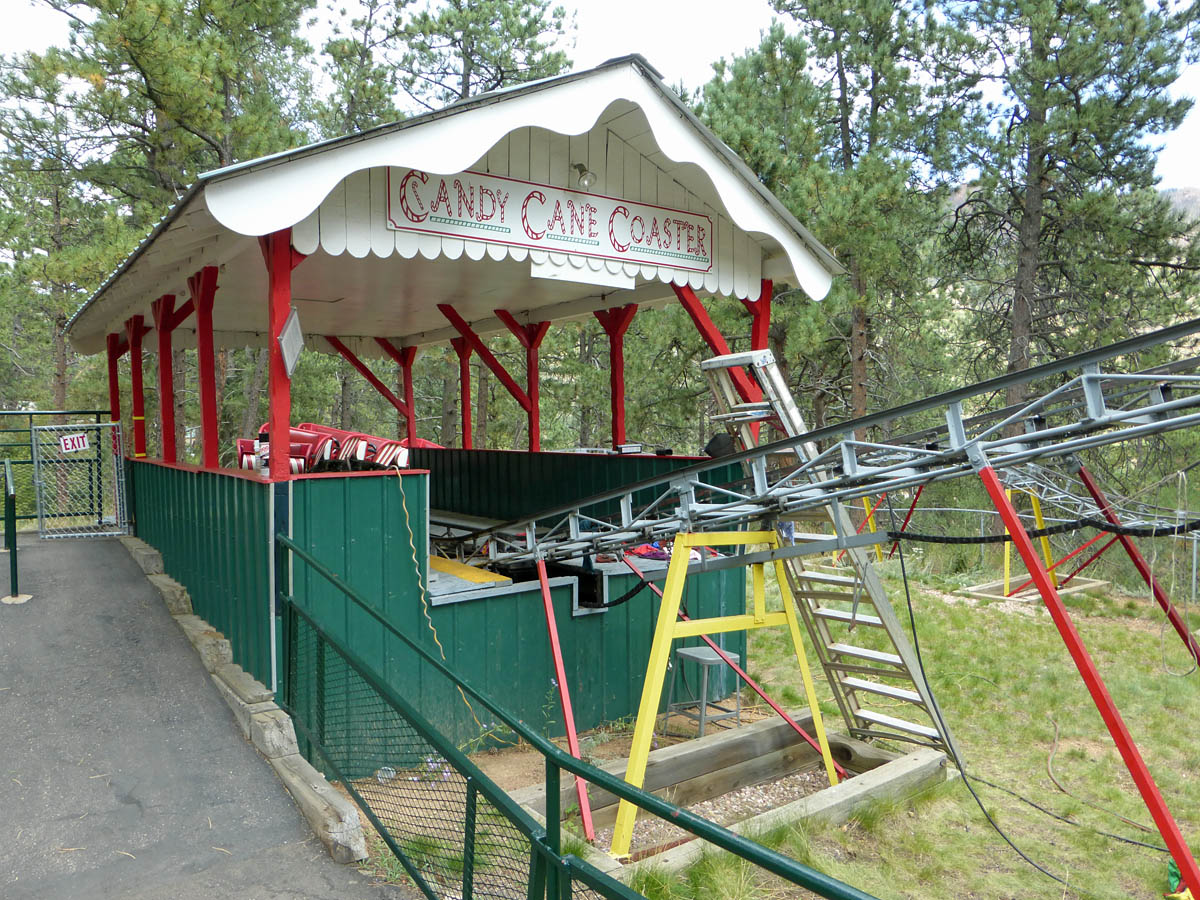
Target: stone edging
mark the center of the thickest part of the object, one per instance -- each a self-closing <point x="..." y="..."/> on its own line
<point x="333" y="818"/>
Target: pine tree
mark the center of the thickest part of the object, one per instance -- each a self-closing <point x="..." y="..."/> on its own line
<point x="1063" y="239"/>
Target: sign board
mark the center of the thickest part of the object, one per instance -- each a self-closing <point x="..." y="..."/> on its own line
<point x="72" y="443"/>
<point x="488" y="208"/>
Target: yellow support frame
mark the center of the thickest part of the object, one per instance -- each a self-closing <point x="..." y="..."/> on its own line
<point x="1047" y="553"/>
<point x="871" y="524"/>
<point x="669" y="627"/>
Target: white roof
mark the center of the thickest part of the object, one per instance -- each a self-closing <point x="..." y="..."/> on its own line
<point x="363" y="279"/>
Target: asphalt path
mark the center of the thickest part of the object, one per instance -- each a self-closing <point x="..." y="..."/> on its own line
<point x="122" y="772"/>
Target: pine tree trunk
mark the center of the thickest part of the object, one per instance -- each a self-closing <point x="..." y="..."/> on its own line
<point x="344" y="418"/>
<point x="481" y="406"/>
<point x="179" y="369"/>
<point x="1028" y="259"/>
<point x="448" y="430"/>
<point x="60" y="364"/>
<point x="253" y="395"/>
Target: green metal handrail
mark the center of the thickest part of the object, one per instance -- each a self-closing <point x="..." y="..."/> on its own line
<point x="10" y="528"/>
<point x="774" y="862"/>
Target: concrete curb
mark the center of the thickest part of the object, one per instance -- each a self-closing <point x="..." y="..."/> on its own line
<point x="149" y="559"/>
<point x="896" y="779"/>
<point x="333" y="818"/>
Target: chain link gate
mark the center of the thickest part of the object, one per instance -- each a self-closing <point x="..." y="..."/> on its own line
<point x="79" y="478"/>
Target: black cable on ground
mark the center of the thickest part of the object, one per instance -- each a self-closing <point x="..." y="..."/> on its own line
<point x="1146" y="531"/>
<point x="1068" y="820"/>
<point x="936" y="712"/>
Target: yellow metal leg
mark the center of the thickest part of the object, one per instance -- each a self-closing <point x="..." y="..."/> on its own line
<point x="810" y="689"/>
<point x="1046" y="552"/>
<point x="656" y="671"/>
<point x="871" y="525"/>
<point x="1007" y="552"/>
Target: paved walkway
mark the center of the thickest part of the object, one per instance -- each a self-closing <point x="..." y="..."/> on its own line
<point x="122" y="773"/>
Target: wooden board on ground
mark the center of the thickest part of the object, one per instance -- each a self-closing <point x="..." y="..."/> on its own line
<point x="992" y="589"/>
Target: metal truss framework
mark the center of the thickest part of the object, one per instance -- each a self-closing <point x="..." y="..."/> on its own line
<point x="824" y="469"/>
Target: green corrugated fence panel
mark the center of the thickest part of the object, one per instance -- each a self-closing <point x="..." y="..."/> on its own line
<point x="211" y="529"/>
<point x="508" y="484"/>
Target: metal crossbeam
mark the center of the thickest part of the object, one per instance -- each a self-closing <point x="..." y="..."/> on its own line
<point x="1116" y="407"/>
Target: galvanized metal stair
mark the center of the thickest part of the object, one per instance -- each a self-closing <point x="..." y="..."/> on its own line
<point x="879" y="687"/>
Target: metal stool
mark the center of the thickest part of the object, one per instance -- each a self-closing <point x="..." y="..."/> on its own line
<point x="705" y="657"/>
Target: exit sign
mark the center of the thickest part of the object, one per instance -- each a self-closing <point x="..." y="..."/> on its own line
<point x="71" y="443"/>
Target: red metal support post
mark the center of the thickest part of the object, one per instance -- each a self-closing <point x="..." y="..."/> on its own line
<point x="280" y="259"/>
<point x="135" y="331"/>
<point x="164" y="323"/>
<point x="1091" y="677"/>
<point x="560" y="679"/>
<point x="404" y="357"/>
<point x="116" y="348"/>
<point x="1143" y="568"/>
<point x="615" y="323"/>
<point x="463" y="349"/>
<point x="202" y="289"/>
<point x="530" y="337"/>
<point x="760" y="314"/>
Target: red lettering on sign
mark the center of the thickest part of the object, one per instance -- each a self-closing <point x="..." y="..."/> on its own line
<point x="541" y="198"/>
<point x="413" y="175"/>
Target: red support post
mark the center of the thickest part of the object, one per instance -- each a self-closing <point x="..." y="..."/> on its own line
<point x="1143" y="568"/>
<point x="404" y="357"/>
<point x="760" y="314"/>
<point x="164" y="323"/>
<point x="202" y="289"/>
<point x="530" y="337"/>
<point x="560" y="678"/>
<point x="116" y="348"/>
<point x="463" y="349"/>
<point x="135" y="331"/>
<point x="1095" y="684"/>
<point x="280" y="259"/>
<point x="615" y="323"/>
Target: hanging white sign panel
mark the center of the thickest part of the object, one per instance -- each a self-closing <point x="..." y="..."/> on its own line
<point x="491" y="209"/>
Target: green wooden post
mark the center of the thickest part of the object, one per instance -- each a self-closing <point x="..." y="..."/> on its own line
<point x="553" y="826"/>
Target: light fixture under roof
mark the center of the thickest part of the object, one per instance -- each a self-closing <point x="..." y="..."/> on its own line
<point x="586" y="176"/>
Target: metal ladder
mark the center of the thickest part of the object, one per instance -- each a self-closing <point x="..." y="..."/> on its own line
<point x="835" y="602"/>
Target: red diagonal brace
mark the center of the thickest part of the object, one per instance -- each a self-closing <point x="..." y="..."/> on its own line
<point x="746" y="386"/>
<point x="468" y="334"/>
<point x="463" y="349"/>
<point x="1139" y="563"/>
<point x="404" y="357"/>
<point x="348" y="355"/>
<point x="615" y="323"/>
<point x="760" y="314"/>
<point x="530" y="337"/>
<point x="164" y="323"/>
<point x="1095" y="684"/>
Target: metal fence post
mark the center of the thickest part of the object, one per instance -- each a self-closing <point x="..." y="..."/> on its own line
<point x="468" y="890"/>
<point x="10" y="528"/>
<point x="553" y="825"/>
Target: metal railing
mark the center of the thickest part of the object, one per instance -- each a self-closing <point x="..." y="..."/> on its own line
<point x="10" y="528"/>
<point x="20" y="451"/>
<point x="454" y="831"/>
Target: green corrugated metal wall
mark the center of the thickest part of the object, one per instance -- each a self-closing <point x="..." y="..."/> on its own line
<point x="508" y="484"/>
<point x="499" y="644"/>
<point x="211" y="529"/>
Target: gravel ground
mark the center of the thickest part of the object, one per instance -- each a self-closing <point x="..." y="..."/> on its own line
<point x="725" y="810"/>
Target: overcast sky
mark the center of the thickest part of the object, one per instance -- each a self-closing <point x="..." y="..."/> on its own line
<point x="680" y="40"/>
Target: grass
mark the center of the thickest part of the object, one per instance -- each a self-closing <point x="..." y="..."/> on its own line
<point x="1003" y="680"/>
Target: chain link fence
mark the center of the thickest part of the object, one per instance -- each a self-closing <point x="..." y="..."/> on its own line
<point x="79" y="480"/>
<point x="452" y="830"/>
